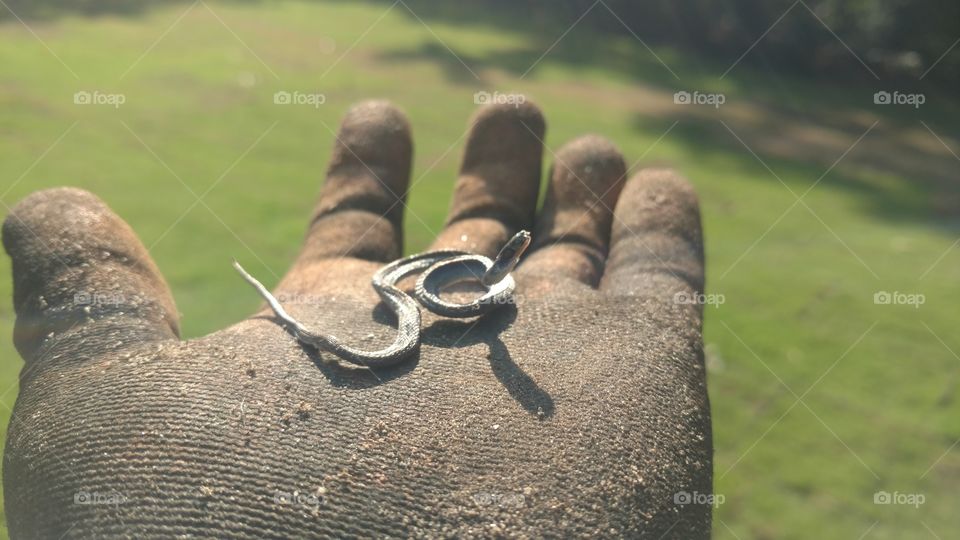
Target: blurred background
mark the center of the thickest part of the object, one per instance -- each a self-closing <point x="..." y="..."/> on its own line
<point x="822" y="136"/>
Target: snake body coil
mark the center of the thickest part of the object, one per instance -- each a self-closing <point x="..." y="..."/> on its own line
<point x="437" y="269"/>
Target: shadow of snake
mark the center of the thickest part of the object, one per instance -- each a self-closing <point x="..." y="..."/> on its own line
<point x="446" y="333"/>
<point x="450" y="333"/>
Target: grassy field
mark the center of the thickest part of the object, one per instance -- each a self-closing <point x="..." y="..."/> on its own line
<point x="821" y="397"/>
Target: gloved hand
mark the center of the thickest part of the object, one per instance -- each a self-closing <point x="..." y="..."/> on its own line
<point x="580" y="410"/>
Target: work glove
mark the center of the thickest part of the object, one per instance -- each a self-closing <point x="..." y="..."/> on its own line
<point x="578" y="409"/>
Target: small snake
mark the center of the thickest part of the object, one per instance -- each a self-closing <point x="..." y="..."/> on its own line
<point x="438" y="269"/>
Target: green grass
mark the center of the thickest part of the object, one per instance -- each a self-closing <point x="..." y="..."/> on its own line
<point x="799" y="302"/>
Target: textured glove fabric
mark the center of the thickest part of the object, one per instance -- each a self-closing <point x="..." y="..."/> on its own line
<point x="580" y="410"/>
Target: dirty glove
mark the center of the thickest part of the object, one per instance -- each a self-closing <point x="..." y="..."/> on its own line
<point x="579" y="410"/>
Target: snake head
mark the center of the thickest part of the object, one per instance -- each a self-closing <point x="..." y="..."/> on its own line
<point x="507" y="259"/>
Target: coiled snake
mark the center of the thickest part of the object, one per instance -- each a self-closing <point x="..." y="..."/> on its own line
<point x="438" y="269"/>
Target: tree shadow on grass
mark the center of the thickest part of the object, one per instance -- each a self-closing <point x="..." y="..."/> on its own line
<point x="893" y="184"/>
<point x="900" y="170"/>
<point x="580" y="48"/>
<point x="28" y="10"/>
<point x="45" y="10"/>
<point x="799" y="122"/>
